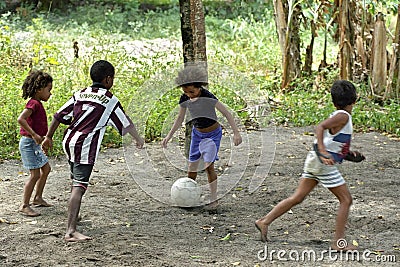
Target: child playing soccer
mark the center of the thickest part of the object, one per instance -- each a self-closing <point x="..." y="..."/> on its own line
<point x="332" y="145"/>
<point x="87" y="113"/>
<point x="33" y="122"/>
<point x="207" y="132"/>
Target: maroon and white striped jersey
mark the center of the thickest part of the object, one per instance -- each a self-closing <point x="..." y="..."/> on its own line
<point x="87" y="113"/>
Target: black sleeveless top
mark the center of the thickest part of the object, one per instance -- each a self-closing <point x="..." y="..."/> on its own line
<point x="202" y="109"/>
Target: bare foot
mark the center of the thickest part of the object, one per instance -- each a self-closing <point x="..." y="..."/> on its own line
<point x="76" y="237"/>
<point x="28" y="211"/>
<point x="263" y="230"/>
<point x="212" y="207"/>
<point x="40" y="202"/>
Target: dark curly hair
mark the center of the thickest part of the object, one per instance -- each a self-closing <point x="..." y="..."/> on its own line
<point x="192" y="75"/>
<point x="343" y="93"/>
<point x="35" y="81"/>
<point x="100" y="70"/>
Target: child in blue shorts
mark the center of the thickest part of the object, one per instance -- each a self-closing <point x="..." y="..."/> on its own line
<point x="33" y="122"/>
<point x="207" y="132"/>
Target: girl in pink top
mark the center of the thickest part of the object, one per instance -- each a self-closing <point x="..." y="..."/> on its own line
<point x="33" y="122"/>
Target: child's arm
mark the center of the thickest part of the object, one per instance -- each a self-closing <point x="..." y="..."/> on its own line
<point x="333" y="124"/>
<point x="26" y="113"/>
<point x="133" y="132"/>
<point x="237" y="138"/>
<point x="48" y="140"/>
<point x="177" y="124"/>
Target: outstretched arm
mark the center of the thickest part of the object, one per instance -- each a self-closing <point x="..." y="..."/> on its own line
<point x="237" y="138"/>
<point x="133" y="132"/>
<point x="48" y="139"/>
<point x="177" y="124"/>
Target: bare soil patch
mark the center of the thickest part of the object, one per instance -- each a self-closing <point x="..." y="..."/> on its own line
<point x="130" y="228"/>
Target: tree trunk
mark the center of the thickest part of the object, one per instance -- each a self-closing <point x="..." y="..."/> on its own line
<point x="193" y="31"/>
<point x="281" y="24"/>
<point x="193" y="42"/>
<point x="309" y="50"/>
<point x="379" y="57"/>
<point x="393" y="88"/>
<point x="287" y="15"/>
<point x="346" y="40"/>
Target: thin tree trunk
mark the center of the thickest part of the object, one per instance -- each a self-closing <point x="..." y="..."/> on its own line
<point x="323" y="62"/>
<point x="309" y="50"/>
<point x="287" y="15"/>
<point x="281" y="24"/>
<point x="393" y="79"/>
<point x="346" y="40"/>
<point x="193" y="43"/>
<point x="379" y="57"/>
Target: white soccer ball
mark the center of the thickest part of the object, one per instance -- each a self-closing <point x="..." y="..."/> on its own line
<point x="185" y="192"/>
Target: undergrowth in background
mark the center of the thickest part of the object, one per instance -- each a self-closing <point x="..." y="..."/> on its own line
<point x="141" y="43"/>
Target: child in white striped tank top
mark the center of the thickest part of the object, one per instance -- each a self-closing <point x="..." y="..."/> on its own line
<point x="332" y="144"/>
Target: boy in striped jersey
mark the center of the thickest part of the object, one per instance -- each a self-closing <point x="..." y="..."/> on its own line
<point x="87" y="113"/>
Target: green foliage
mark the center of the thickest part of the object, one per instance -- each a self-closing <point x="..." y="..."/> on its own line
<point x="371" y="116"/>
<point x="248" y="45"/>
<point x="308" y="105"/>
<point x="301" y="107"/>
<point x="249" y="9"/>
<point x="375" y="6"/>
<point x="142" y="44"/>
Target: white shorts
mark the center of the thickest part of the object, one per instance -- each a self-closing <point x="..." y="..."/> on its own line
<point x="328" y="175"/>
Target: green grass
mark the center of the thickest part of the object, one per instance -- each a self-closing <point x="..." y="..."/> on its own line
<point x="244" y="45"/>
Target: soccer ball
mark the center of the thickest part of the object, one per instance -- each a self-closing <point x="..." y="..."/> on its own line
<point x="185" y="192"/>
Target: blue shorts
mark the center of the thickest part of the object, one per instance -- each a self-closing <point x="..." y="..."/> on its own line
<point x="205" y="145"/>
<point x="32" y="154"/>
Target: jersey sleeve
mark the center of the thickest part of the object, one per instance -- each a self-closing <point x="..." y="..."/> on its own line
<point x="120" y="121"/>
<point x="65" y="114"/>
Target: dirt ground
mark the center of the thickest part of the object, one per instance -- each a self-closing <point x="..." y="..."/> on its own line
<point x="131" y="228"/>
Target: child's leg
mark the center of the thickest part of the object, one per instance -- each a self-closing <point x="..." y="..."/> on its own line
<point x="345" y="201"/>
<point x="38" y="199"/>
<point x="28" y="189"/>
<point x="73" y="212"/>
<point x="304" y="188"/>
<point x="192" y="169"/>
<point x="212" y="180"/>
